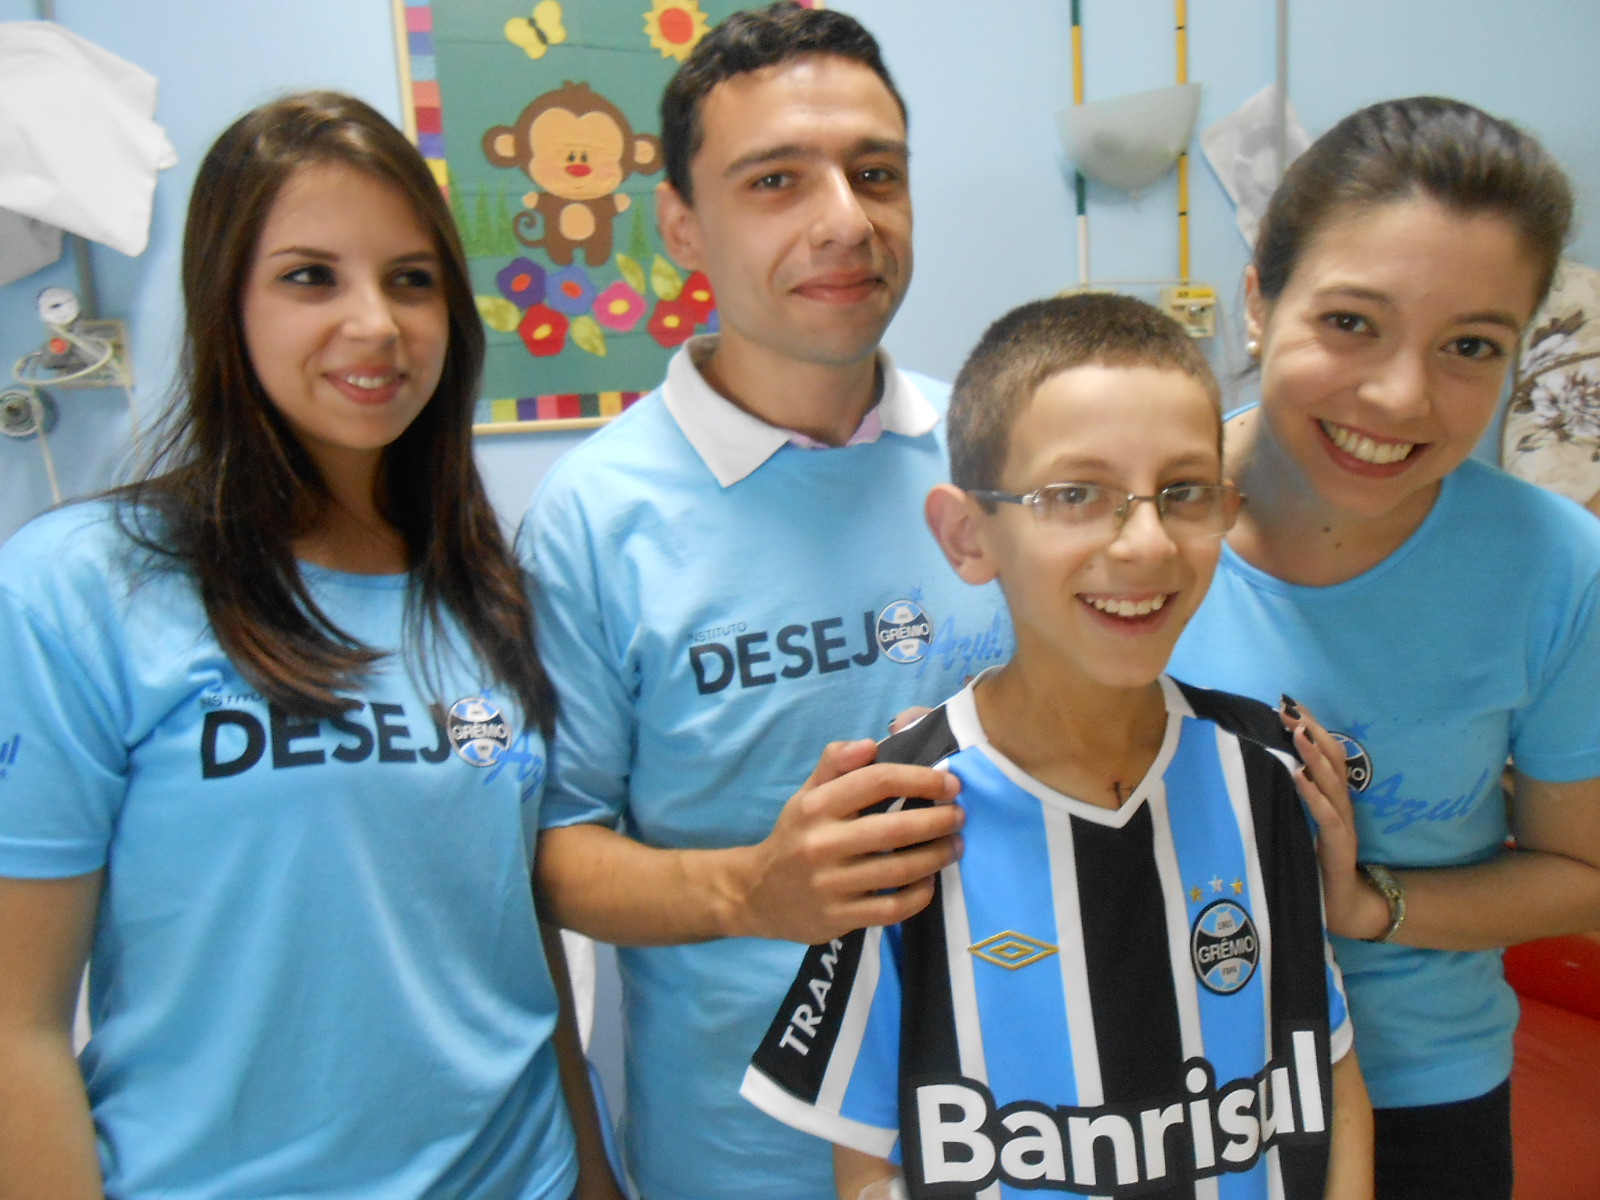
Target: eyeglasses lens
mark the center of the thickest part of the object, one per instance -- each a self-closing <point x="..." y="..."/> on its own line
<point x="1187" y="510"/>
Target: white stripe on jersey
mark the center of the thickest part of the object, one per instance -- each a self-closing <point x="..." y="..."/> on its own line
<point x="1072" y="957"/>
<point x="1183" y="978"/>
<point x="963" y="988"/>
<point x="853" y="1025"/>
<point x="1185" y="985"/>
<point x="772" y="1099"/>
<point x="1232" y="760"/>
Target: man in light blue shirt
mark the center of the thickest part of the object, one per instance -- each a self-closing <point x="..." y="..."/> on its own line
<point x="735" y="571"/>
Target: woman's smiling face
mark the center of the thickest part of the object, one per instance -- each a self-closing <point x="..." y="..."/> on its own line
<point x="1384" y="357"/>
<point x="344" y="313"/>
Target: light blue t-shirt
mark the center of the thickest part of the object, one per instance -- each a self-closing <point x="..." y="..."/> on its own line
<point x="317" y="968"/>
<point x="707" y="642"/>
<point x="1478" y="638"/>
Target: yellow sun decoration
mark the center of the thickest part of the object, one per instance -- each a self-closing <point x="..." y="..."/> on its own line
<point x="675" y="27"/>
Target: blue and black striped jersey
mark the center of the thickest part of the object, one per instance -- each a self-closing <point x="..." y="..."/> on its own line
<point x="1138" y="1001"/>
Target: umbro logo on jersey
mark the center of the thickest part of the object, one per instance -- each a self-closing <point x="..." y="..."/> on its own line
<point x="1224" y="947"/>
<point x="1012" y="950"/>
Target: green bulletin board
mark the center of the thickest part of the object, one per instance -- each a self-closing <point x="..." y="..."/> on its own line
<point x="540" y="123"/>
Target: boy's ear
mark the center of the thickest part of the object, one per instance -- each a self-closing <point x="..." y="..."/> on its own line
<point x="954" y="518"/>
<point x="680" y="229"/>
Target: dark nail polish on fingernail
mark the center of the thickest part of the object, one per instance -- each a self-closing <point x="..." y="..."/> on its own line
<point x="1289" y="706"/>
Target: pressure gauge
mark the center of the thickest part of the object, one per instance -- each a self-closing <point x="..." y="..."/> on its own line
<point x="58" y="307"/>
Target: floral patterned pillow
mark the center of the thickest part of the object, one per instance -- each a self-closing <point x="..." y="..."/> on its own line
<point x="1552" y="426"/>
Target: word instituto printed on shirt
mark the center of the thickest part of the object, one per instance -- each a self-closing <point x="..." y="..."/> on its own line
<point x="961" y="1137"/>
<point x="902" y="632"/>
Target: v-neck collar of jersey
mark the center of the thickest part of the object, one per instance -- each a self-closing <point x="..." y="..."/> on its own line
<point x="961" y="711"/>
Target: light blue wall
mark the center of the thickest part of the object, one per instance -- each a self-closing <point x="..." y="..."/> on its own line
<point x="994" y="212"/>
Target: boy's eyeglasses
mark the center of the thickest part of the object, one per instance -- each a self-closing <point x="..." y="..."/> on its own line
<point x="1187" y="510"/>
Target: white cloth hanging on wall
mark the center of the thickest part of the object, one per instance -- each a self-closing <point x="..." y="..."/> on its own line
<point x="25" y="245"/>
<point x="1242" y="149"/>
<point x="79" y="147"/>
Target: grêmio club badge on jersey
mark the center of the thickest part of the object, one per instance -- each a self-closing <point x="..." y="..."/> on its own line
<point x="1224" y="947"/>
<point x="478" y="731"/>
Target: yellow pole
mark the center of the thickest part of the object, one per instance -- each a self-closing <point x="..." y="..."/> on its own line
<point x="1077" y="57"/>
<point x="1183" y="159"/>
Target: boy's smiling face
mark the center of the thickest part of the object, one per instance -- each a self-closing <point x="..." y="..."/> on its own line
<point x="1098" y="609"/>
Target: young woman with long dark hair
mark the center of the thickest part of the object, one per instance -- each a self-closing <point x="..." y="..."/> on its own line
<point x="278" y="730"/>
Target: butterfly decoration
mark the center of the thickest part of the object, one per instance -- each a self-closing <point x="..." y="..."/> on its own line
<point x="535" y="34"/>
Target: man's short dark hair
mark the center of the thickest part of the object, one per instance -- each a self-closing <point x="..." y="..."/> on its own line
<point x="1028" y="345"/>
<point x="748" y="41"/>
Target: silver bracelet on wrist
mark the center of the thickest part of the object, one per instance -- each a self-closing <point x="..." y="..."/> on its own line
<point x="1386" y="885"/>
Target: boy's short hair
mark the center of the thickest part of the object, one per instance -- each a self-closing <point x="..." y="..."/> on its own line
<point x="748" y="41"/>
<point x="1043" y="338"/>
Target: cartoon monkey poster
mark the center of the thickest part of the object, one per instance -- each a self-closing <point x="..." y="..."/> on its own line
<point x="537" y="119"/>
<point x="578" y="149"/>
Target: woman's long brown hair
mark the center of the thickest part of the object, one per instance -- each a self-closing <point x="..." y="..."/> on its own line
<point x="231" y="486"/>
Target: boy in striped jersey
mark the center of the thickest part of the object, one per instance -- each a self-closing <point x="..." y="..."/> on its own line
<point x="1123" y="987"/>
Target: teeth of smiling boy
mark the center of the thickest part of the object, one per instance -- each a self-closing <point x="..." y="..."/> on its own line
<point x="1360" y="446"/>
<point x="1129" y="608"/>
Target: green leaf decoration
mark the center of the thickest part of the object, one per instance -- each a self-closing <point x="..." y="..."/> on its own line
<point x="482" y="243"/>
<point x="502" y="239"/>
<point x="632" y="272"/>
<point x="665" y="279"/>
<point x="498" y="313"/>
<point x="639" y="239"/>
<point x="585" y="333"/>
<point x="458" y="210"/>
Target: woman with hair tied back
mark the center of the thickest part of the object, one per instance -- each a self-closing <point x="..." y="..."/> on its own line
<point x="277" y="728"/>
<point x="1437" y="615"/>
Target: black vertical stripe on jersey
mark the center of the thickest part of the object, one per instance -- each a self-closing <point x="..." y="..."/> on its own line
<point x="801" y="1074"/>
<point x="926" y="743"/>
<point x="929" y="1050"/>
<point x="1138" y="1039"/>
<point x="1285" y="849"/>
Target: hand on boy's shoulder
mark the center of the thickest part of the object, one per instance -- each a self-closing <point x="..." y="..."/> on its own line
<point x="837" y="861"/>
<point x="1245" y="718"/>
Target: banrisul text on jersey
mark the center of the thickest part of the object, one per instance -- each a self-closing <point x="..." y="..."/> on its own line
<point x="961" y="1136"/>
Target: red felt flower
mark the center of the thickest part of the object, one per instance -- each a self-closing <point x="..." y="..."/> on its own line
<point x="697" y="298"/>
<point x="672" y="323"/>
<point x="543" y="330"/>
